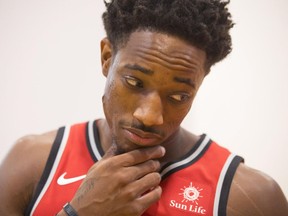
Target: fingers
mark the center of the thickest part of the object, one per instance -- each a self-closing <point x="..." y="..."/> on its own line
<point x="146" y="184"/>
<point x="135" y="184"/>
<point x="143" y="193"/>
<point x="133" y="157"/>
<point x="140" y="205"/>
<point x="141" y="155"/>
<point x="138" y="171"/>
<point x="130" y="166"/>
<point x="146" y="196"/>
<point x="149" y="198"/>
<point x="126" y="183"/>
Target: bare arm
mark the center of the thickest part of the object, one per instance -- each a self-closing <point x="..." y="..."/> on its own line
<point x="253" y="193"/>
<point x="21" y="170"/>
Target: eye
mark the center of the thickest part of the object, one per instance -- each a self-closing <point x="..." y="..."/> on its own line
<point x="180" y="97"/>
<point x="131" y="81"/>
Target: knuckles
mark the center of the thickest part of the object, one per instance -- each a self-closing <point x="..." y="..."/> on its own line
<point x="103" y="166"/>
<point x="155" y="178"/>
<point x="153" y="165"/>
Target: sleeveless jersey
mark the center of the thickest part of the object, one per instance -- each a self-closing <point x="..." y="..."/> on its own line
<point x="198" y="184"/>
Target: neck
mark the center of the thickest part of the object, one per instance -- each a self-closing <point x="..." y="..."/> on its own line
<point x="105" y="134"/>
<point x="180" y="143"/>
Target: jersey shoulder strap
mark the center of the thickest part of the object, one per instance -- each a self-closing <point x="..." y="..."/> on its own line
<point x="197" y="184"/>
<point x="67" y="165"/>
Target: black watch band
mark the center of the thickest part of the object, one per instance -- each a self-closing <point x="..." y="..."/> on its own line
<point x="69" y="210"/>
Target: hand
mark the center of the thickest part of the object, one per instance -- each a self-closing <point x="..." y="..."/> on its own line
<point x="119" y="185"/>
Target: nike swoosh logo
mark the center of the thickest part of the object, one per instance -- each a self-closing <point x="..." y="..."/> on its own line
<point x="64" y="181"/>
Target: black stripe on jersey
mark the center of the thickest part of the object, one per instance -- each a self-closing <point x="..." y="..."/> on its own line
<point x="199" y="142"/>
<point x="88" y="143"/>
<point x="97" y="138"/>
<point x="47" y="169"/>
<point x="227" y="184"/>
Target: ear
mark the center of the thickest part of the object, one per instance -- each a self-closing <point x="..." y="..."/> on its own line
<point x="106" y="55"/>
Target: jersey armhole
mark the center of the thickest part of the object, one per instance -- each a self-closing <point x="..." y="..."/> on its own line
<point x="227" y="184"/>
<point x="47" y="169"/>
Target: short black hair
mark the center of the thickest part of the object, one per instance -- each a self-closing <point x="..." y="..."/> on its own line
<point x="203" y="23"/>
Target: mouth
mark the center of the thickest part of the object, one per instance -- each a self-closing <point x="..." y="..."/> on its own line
<point x="142" y="138"/>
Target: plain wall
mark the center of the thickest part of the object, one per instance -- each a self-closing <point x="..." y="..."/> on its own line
<point x="51" y="76"/>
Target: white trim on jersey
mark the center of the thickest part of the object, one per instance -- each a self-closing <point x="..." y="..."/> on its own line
<point x="92" y="141"/>
<point x="220" y="183"/>
<point x="188" y="159"/>
<point x="54" y="167"/>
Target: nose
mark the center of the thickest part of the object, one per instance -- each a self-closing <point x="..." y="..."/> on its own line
<point x="150" y="110"/>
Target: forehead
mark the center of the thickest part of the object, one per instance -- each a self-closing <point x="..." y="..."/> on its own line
<point x="166" y="50"/>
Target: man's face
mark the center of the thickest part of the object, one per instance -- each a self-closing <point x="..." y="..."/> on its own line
<point x="151" y="84"/>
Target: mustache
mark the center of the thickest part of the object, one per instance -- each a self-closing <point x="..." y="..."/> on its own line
<point x="140" y="126"/>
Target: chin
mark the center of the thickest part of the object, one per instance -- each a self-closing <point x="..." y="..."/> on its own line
<point x="120" y="149"/>
<point x="126" y="148"/>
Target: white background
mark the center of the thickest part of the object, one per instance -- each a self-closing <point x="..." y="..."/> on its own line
<point x="51" y="76"/>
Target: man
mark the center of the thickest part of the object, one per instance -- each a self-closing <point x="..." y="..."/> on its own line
<point x="139" y="161"/>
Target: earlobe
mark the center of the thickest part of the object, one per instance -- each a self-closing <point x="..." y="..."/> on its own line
<point x="106" y="54"/>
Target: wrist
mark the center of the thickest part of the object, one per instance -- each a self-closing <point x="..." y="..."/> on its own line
<point x="61" y="213"/>
<point x="69" y="210"/>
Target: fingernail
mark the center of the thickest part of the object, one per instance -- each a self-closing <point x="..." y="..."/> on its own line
<point x="163" y="150"/>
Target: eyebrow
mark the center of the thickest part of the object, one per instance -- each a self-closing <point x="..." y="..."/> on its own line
<point x="185" y="81"/>
<point x="139" y="68"/>
<point x="150" y="72"/>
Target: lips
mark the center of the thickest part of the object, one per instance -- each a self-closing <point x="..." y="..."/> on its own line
<point x="141" y="138"/>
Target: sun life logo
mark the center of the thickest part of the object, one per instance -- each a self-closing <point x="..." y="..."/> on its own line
<point x="191" y="193"/>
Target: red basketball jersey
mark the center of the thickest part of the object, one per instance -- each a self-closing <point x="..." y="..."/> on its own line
<point x="198" y="184"/>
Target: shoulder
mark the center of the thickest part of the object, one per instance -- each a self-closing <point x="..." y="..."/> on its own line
<point x="21" y="171"/>
<point x="255" y="193"/>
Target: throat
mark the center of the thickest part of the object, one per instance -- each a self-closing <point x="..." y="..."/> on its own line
<point x="105" y="136"/>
